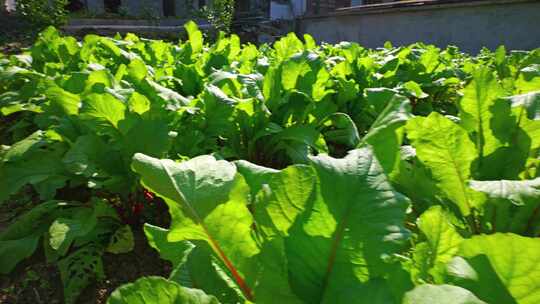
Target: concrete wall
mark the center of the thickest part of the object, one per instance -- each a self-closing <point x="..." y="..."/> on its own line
<point x="470" y="25"/>
<point x="144" y="8"/>
<point x="286" y="11"/>
<point x="140" y="8"/>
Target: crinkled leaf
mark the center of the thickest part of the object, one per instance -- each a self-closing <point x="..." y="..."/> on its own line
<point x="78" y="269"/>
<point x="516" y="191"/>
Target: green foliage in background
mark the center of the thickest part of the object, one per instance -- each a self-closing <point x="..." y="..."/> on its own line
<point x="43" y="12"/>
<point x="220" y="14"/>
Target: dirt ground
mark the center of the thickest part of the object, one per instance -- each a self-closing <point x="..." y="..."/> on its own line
<point x="34" y="281"/>
<point x="15" y="34"/>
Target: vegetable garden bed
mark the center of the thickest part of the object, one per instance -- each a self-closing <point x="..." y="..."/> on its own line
<point x="292" y="173"/>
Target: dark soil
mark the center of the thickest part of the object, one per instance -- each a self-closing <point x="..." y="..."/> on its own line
<point x="15" y="33"/>
<point x="124" y="268"/>
<point x="35" y="282"/>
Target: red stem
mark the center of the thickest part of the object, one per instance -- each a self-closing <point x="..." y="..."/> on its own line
<point x="239" y="280"/>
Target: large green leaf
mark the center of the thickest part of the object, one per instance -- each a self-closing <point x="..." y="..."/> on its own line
<point x="218" y="109"/>
<point x="287" y="46"/>
<point x="338" y="218"/>
<point x="445" y="148"/>
<point x="518" y="135"/>
<point x="273" y="283"/>
<point x="527" y="132"/>
<point x="500" y="268"/>
<point x="292" y="192"/>
<point x="163" y="96"/>
<point x="413" y="179"/>
<point x="137" y="70"/>
<point x="157" y="290"/>
<point x="513" y="205"/>
<point x="35" y="221"/>
<point x="256" y="176"/>
<point x="477" y="110"/>
<point x="204" y="197"/>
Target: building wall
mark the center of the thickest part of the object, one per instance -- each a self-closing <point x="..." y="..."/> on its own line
<point x="470" y="25"/>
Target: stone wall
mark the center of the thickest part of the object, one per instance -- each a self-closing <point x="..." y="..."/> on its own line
<point x="470" y="25"/>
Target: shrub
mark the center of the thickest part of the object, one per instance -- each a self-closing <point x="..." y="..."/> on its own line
<point x="43" y="12"/>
